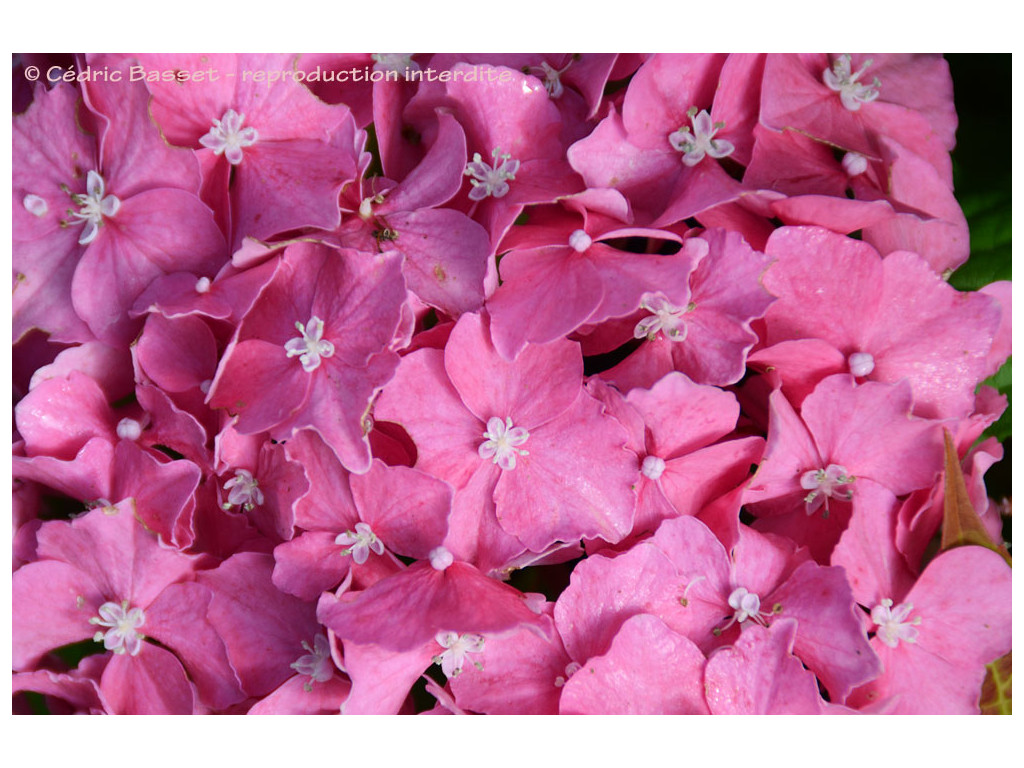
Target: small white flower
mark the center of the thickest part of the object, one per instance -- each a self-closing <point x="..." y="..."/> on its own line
<point x="502" y="442"/>
<point x="491" y="181"/>
<point x="826" y="484"/>
<point x="95" y="205"/>
<point x="667" y="318"/>
<point x="121" y="637"/>
<point x="844" y="81"/>
<point x="457" y="648"/>
<point x="360" y="542"/>
<point x="317" y="663"/>
<point x="701" y="141"/>
<point x="312" y="346"/>
<point x="229" y="138"/>
<point x="892" y="624"/>
<point x="244" y="491"/>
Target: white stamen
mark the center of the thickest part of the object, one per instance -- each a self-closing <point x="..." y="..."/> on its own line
<point x="399" y="63"/>
<point x="35" y="205"/>
<point x="203" y="285"/>
<point x="440" y="558"/>
<point x="892" y="624"/>
<point x="129" y="429"/>
<point x="457" y="648"/>
<point x="702" y="140"/>
<point x="843" y="81"/>
<point x="826" y="484"/>
<point x="579" y="241"/>
<point x="854" y="164"/>
<point x="121" y="637"/>
<point x="317" y="663"/>
<point x="502" y="441"/>
<point x="666" y="318"/>
<point x="861" y="364"/>
<point x="228" y="137"/>
<point x="552" y="78"/>
<point x="95" y="204"/>
<point x="245" y="491"/>
<point x="488" y="180"/>
<point x="360" y="543"/>
<point x="747" y="607"/>
<point x="312" y="346"/>
<point x="570" y="669"/>
<point x="652" y="467"/>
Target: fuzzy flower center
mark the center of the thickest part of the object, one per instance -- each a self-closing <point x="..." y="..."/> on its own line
<point x="457" y="648"/>
<point x="360" y="542"/>
<point x="122" y="635"/>
<point x="316" y="663"/>
<point x="312" y="346"/>
<point x="826" y="484"/>
<point x="502" y="441"/>
<point x="666" y="318"/>
<point x="861" y="364"/>
<point x="844" y="81"/>
<point x="892" y="623"/>
<point x="653" y="467"/>
<point x="244" y="491"/>
<point x="93" y="206"/>
<point x="227" y="137"/>
<point x="488" y="180"/>
<point x="701" y="140"/>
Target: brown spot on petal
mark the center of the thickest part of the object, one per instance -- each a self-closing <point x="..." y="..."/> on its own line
<point x="440" y="274"/>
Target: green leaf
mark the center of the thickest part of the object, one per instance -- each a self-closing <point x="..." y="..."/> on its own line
<point x="996" y="690"/>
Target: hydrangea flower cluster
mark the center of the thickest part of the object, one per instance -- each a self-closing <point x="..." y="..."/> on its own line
<point x="498" y="384"/>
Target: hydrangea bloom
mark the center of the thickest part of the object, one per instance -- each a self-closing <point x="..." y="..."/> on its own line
<point x="524" y="383"/>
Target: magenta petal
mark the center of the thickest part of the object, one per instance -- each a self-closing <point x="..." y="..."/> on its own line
<point x="407" y="609"/>
<point x="407" y="509"/>
<point x="292" y="698"/>
<point x="648" y="670"/>
<point x="59" y="416"/>
<point x="382" y="678"/>
<point x="262" y="628"/>
<point x="542" y="382"/>
<point x="446" y="258"/>
<point x="177" y="354"/>
<point x="760" y="676"/>
<point x="152" y="683"/>
<point x="46" y="612"/>
<point x="310" y="564"/>
<point x="519" y="675"/>
<point x="177" y="619"/>
<point x="438" y="177"/>
<point x="576" y="482"/>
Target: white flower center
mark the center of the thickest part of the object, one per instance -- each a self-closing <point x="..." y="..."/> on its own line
<point x="312" y="346"/>
<point x="457" y="648"/>
<point x="316" y="663"/>
<point x="488" y="180"/>
<point x="35" y="205"/>
<point x="94" y="205"/>
<point x="843" y="81"/>
<point x="400" y="63"/>
<point x="129" y="429"/>
<point x="892" y="623"/>
<point x="203" y="285"/>
<point x="440" y="558"/>
<point x="552" y="78"/>
<point x="653" y="467"/>
<point x="854" y="163"/>
<point x="826" y="484"/>
<point x="502" y="441"/>
<point x="229" y="138"/>
<point x="666" y="318"/>
<point x="861" y="364"/>
<point x="360" y="543"/>
<point x="244" y="491"/>
<point x="701" y="141"/>
<point x="746" y="607"/>
<point x="121" y="637"/>
<point x="579" y="241"/>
